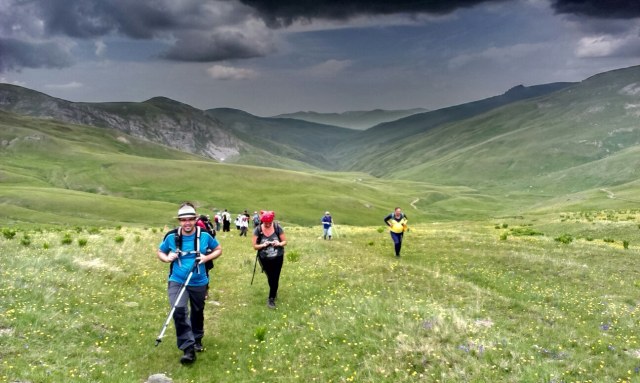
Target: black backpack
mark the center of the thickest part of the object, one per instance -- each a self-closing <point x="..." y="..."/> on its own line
<point x="208" y="225"/>
<point x="276" y="228"/>
<point x="178" y="234"/>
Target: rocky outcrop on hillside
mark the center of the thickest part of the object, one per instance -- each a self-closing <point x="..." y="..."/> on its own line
<point x="158" y="120"/>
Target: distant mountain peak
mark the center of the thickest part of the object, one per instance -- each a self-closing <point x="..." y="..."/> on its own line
<point x="165" y="101"/>
<point x="358" y="119"/>
<point x="515" y="89"/>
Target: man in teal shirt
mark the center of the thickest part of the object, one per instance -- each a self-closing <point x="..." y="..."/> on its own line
<point x="179" y="249"/>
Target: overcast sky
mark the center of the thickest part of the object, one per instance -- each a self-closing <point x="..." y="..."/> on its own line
<point x="280" y="56"/>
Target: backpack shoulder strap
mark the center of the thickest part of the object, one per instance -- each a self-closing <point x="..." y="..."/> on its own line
<point x="178" y="242"/>
<point x="178" y="237"/>
<point x="259" y="235"/>
<point x="197" y="241"/>
<point x="277" y="229"/>
<point x="172" y="231"/>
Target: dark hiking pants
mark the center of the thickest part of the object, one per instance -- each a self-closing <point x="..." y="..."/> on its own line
<point x="189" y="325"/>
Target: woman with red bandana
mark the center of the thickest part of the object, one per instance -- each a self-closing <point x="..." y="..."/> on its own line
<point x="269" y="240"/>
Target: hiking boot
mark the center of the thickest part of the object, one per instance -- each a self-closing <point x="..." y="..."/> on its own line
<point x="189" y="356"/>
<point x="271" y="303"/>
<point x="198" y="346"/>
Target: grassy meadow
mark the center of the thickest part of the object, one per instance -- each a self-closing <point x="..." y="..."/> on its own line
<point x="521" y="264"/>
<point x="550" y="298"/>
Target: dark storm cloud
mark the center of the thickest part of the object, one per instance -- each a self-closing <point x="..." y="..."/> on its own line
<point x="610" y="21"/>
<point x="602" y="9"/>
<point x="16" y="54"/>
<point x="140" y="19"/>
<point x="27" y="26"/>
<point x="217" y="30"/>
<point x="284" y="12"/>
<point x="221" y="46"/>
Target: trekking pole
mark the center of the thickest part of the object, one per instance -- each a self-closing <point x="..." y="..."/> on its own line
<point x="173" y="308"/>
<point x="254" y="270"/>
<point x="333" y="227"/>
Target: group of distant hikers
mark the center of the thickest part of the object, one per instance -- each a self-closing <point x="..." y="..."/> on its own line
<point x="222" y="219"/>
<point x="191" y="248"/>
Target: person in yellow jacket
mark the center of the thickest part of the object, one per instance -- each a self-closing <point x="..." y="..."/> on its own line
<point x="397" y="223"/>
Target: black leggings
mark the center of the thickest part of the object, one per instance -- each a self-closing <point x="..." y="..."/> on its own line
<point x="272" y="267"/>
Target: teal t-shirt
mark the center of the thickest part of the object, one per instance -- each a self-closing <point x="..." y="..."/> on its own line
<point x="180" y="271"/>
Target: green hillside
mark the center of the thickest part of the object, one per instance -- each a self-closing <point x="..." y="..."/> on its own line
<point x="492" y="158"/>
<point x="356" y="154"/>
<point x="160" y="120"/>
<point x="579" y="138"/>
<point x="58" y="173"/>
<point x="302" y="141"/>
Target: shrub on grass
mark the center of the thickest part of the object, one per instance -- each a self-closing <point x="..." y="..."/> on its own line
<point x="525" y="231"/>
<point x="293" y="256"/>
<point x="8" y="233"/>
<point x="625" y="244"/>
<point x="119" y="239"/>
<point x="66" y="240"/>
<point x="260" y="333"/>
<point x="25" y="241"/>
<point x="564" y="238"/>
<point x="608" y="240"/>
<point x="82" y="242"/>
<point x="45" y="245"/>
<point x="380" y="229"/>
<point x="503" y="236"/>
<point x="94" y="230"/>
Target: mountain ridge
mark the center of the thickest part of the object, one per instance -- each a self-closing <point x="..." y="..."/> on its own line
<point x="357" y="119"/>
<point x="158" y="119"/>
<point x="241" y="138"/>
<point x="557" y="149"/>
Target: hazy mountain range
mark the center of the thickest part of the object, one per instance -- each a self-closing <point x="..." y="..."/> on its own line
<point x="530" y="147"/>
<point x="359" y="119"/>
<point x="235" y="136"/>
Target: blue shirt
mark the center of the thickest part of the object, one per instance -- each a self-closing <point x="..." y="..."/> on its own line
<point x="326" y="221"/>
<point x="180" y="271"/>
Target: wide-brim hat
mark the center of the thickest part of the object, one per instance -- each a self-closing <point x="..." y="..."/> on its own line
<point x="186" y="212"/>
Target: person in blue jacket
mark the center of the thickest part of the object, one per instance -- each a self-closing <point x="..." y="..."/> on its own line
<point x="179" y="249"/>
<point x="327" y="222"/>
